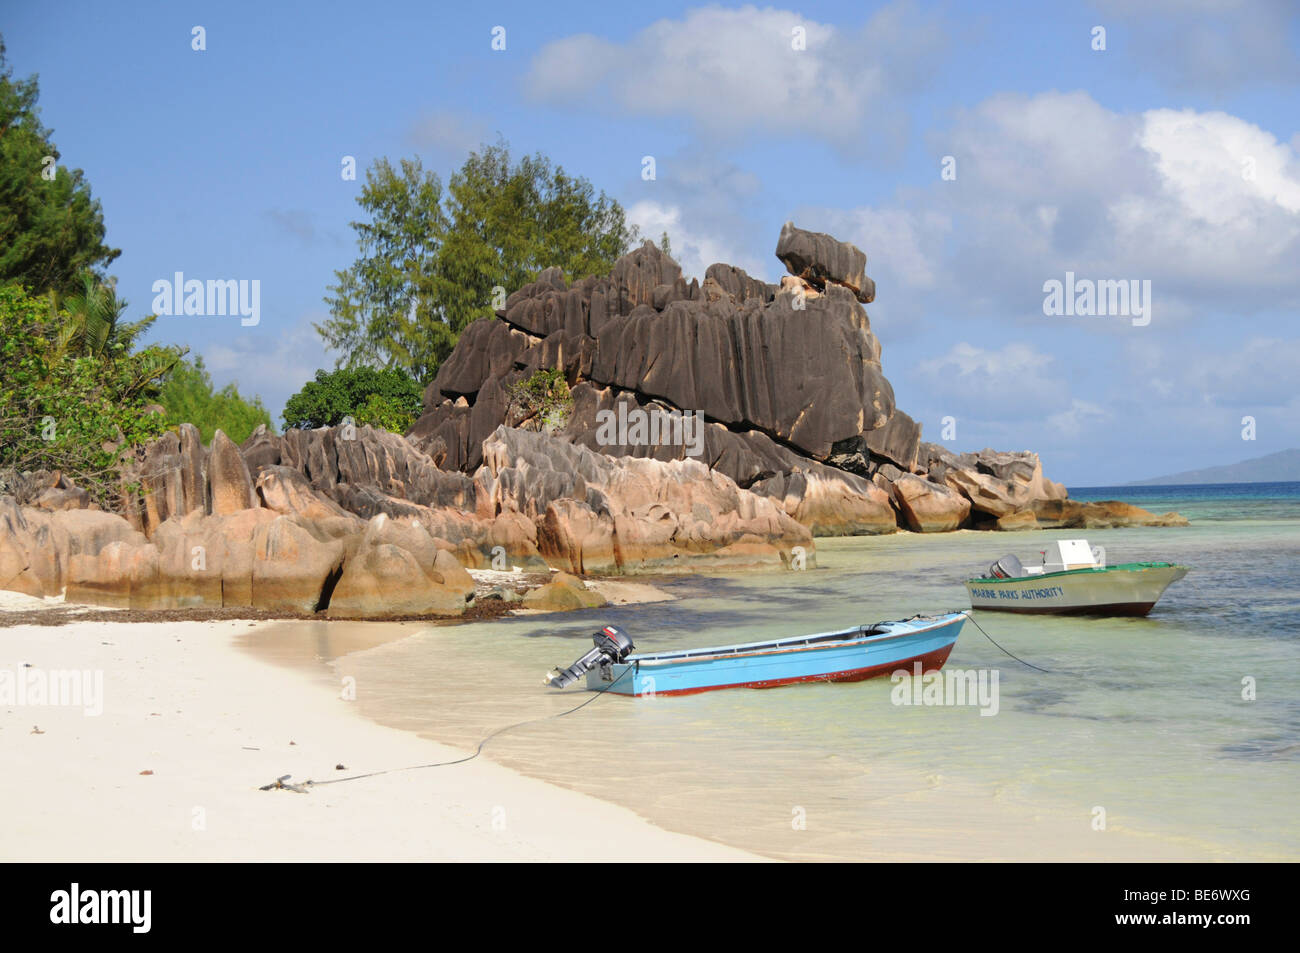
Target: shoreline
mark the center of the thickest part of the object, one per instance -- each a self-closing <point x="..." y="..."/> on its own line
<point x="18" y="608"/>
<point x="950" y="817"/>
<point x="213" y="724"/>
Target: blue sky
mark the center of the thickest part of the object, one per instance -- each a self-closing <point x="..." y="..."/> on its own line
<point x="1171" y="156"/>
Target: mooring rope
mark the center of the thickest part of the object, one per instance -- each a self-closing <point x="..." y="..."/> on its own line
<point x="990" y="638"/>
<point x="280" y="782"/>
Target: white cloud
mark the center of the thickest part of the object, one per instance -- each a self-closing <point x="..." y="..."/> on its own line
<point x="692" y="250"/>
<point x="1014" y="382"/>
<point x="734" y="71"/>
<point x="1081" y="416"/>
<point x="701" y="201"/>
<point x="1204" y="204"/>
<point x="273" y="365"/>
<point x="902" y="246"/>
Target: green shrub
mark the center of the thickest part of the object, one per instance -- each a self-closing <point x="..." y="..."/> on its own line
<point x="544" y="398"/>
<point x="68" y="407"/>
<point x="365" y="394"/>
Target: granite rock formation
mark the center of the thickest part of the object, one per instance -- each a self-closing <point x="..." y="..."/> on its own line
<point x="782" y="384"/>
<point x="714" y="424"/>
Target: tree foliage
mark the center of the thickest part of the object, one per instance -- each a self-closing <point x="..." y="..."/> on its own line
<point x="51" y="228"/>
<point x="389" y="398"/>
<point x="188" y="397"/>
<point x="68" y="405"/>
<point x="431" y="259"/>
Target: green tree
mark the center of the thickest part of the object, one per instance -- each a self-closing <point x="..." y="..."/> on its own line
<point x="188" y="397"/>
<point x="51" y="229"/>
<point x="386" y="413"/>
<point x="64" y="406"/>
<point x="431" y="259"/>
<point x="93" y="320"/>
<point x="387" y="398"/>
<point x="381" y="309"/>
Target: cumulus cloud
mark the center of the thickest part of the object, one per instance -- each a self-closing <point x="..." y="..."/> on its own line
<point x="1013" y="382"/>
<point x="902" y="243"/>
<point x="700" y="200"/>
<point x="737" y="71"/>
<point x="1204" y="204"/>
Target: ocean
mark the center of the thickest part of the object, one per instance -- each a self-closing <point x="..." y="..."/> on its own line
<point x="1175" y="736"/>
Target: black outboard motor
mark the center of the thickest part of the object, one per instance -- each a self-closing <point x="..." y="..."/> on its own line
<point x="612" y="645"/>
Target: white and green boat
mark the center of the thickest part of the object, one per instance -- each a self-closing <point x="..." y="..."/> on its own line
<point x="1073" y="578"/>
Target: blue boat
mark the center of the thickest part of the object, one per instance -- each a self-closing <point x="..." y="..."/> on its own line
<point x="850" y="655"/>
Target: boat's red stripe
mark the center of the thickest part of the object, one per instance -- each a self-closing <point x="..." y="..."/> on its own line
<point x="930" y="662"/>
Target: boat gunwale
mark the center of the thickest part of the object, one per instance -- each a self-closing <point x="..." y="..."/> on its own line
<point x="791" y="644"/>
<point x="1084" y="570"/>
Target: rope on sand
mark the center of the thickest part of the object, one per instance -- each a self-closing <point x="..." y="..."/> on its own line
<point x="281" y="783"/>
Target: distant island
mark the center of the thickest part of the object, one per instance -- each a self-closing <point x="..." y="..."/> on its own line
<point x="1280" y="467"/>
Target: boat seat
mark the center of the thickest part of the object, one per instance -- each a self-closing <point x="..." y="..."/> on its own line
<point x="1008" y="567"/>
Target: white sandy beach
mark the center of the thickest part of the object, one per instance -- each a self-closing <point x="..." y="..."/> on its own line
<point x="213" y="723"/>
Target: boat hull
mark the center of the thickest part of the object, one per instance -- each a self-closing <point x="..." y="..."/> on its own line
<point x="769" y="665"/>
<point x="1122" y="590"/>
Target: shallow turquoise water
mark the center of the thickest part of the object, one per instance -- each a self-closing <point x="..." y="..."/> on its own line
<point x="1142" y="717"/>
<point x="1211" y="501"/>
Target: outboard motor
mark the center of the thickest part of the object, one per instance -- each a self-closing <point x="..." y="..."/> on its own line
<point x="612" y="645"/>
<point x="1008" y="567"/>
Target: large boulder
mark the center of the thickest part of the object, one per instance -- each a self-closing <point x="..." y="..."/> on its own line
<point x="287" y="491"/>
<point x="204" y="561"/>
<point x="230" y="486"/>
<point x="819" y="258"/>
<point x="194" y="469"/>
<point x="29" y="561"/>
<point x="929" y="507"/>
<point x="562" y="594"/>
<point x="1019" y="520"/>
<point x="384" y="579"/>
<point x="119" y="575"/>
<point x="832" y="503"/>
<point x="292" y="570"/>
<point x="898" y="441"/>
